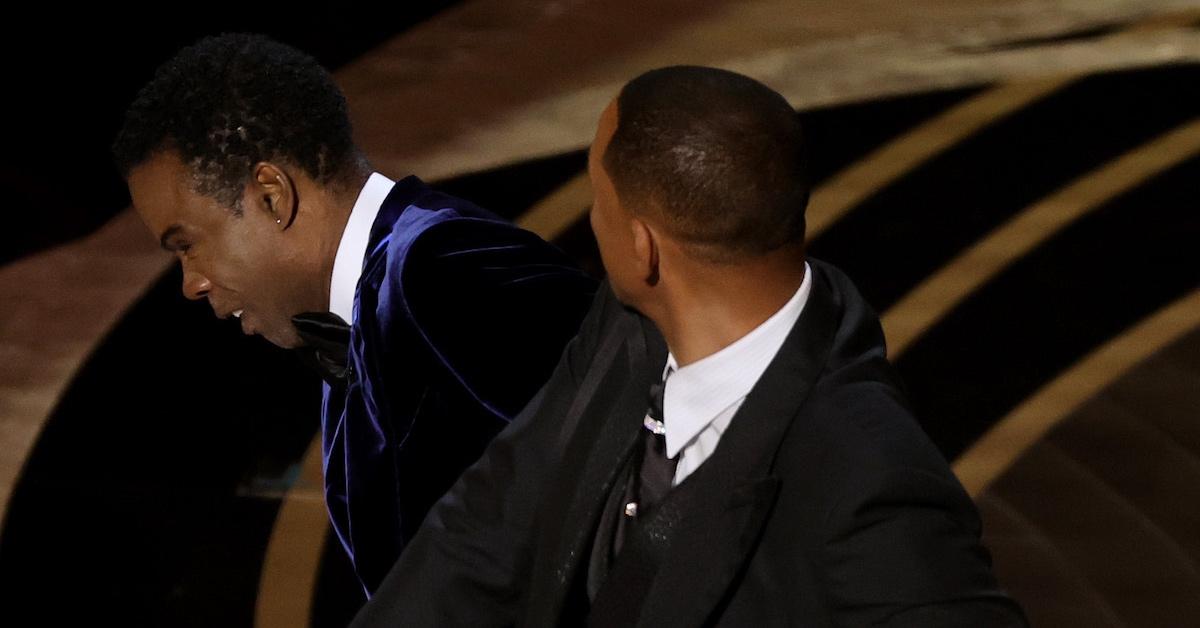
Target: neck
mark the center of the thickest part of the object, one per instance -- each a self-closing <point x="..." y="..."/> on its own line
<point x="710" y="307"/>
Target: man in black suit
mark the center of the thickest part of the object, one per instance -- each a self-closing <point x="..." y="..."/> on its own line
<point x="725" y="442"/>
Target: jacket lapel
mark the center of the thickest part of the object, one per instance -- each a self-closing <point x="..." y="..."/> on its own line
<point x="722" y="523"/>
<point x="355" y="443"/>
<point x="608" y="429"/>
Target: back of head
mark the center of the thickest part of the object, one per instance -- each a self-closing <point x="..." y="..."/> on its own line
<point x="228" y="102"/>
<point x="717" y="157"/>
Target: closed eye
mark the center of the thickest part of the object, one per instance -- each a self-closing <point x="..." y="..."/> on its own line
<point x="176" y="240"/>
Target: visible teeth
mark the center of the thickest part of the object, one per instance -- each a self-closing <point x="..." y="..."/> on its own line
<point x="237" y="313"/>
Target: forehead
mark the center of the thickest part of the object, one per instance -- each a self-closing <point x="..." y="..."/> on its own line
<point x="162" y="194"/>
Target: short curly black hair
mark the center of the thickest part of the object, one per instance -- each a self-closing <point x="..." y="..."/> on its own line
<point x="230" y="101"/>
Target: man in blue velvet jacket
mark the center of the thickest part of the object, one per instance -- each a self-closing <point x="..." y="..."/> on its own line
<point x="431" y="320"/>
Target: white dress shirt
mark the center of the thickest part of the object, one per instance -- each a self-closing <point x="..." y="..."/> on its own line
<point x="351" y="251"/>
<point x="700" y="399"/>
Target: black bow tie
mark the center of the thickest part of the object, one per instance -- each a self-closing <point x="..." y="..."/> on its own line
<point x="326" y="338"/>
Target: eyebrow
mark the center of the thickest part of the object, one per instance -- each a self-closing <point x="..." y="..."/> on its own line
<point x="167" y="235"/>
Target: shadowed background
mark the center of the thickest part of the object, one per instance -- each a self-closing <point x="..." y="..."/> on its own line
<point x="1012" y="185"/>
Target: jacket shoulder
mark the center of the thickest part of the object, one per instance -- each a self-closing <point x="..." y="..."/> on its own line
<point x="493" y="304"/>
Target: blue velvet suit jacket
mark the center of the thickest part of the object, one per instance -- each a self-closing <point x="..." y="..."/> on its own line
<point x="459" y="318"/>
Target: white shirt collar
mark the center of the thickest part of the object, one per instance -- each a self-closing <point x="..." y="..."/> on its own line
<point x="351" y="251"/>
<point x="697" y="393"/>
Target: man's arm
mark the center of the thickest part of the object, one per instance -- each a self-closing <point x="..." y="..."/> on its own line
<point x="469" y="563"/>
<point x="906" y="552"/>
<point x="902" y="540"/>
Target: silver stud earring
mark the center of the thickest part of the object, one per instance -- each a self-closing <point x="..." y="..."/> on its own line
<point x="279" y="221"/>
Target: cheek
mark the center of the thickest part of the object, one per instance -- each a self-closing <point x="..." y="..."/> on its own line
<point x="283" y="281"/>
<point x="248" y="266"/>
<point x="604" y="228"/>
<point x="236" y="266"/>
<point x="615" y="253"/>
<point x="603" y="241"/>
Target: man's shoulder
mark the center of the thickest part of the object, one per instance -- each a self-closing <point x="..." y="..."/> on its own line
<point x="441" y="233"/>
<point x="436" y="228"/>
<point x="445" y="261"/>
<point x="860" y="408"/>
<point x="427" y="230"/>
<point x="856" y="432"/>
<point x="417" y="229"/>
<point x="857" y="408"/>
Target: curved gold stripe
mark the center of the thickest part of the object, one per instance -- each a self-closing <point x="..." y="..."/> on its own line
<point x="991" y="455"/>
<point x="293" y="558"/>
<point x="1058" y="557"/>
<point x="917" y="311"/>
<point x="555" y="213"/>
<point x="890" y="162"/>
<point x="58" y="307"/>
<point x="850" y="187"/>
<point x="1181" y="18"/>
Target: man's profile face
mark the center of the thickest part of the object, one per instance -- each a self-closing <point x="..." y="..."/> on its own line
<point x="610" y="220"/>
<point x="242" y="264"/>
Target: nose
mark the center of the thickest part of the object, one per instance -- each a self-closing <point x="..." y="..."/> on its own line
<point x="195" y="285"/>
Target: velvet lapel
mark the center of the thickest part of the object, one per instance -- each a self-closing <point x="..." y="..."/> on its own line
<point x="354" y="439"/>
<point x="609" y="426"/>
<point x="723" y="521"/>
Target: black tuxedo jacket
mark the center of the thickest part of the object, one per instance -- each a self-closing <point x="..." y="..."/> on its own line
<point x="824" y="503"/>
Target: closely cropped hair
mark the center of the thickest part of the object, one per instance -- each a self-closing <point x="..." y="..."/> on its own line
<point x="718" y="156"/>
<point x="228" y="102"/>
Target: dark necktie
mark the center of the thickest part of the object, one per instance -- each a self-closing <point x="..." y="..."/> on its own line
<point x="326" y="339"/>
<point x="656" y="472"/>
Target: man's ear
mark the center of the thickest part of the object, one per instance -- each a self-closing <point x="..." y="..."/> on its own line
<point x="278" y="192"/>
<point x="645" y="248"/>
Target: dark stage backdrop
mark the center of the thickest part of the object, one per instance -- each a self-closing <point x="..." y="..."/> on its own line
<point x="150" y="497"/>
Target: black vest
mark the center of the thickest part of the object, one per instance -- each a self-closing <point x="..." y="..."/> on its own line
<point x="610" y="592"/>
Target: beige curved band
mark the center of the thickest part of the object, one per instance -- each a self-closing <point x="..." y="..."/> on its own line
<point x="1001" y="446"/>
